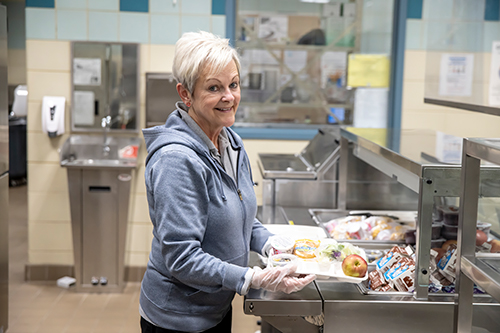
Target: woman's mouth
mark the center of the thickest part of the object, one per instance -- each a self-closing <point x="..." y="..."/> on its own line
<point x="224" y="109"/>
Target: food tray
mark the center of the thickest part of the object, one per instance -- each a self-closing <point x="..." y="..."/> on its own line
<point x="334" y="274"/>
<point x="311" y="266"/>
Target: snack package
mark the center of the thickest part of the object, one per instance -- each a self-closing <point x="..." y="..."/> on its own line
<point x="385" y="287"/>
<point x="305" y="248"/>
<point x="405" y="279"/>
<point x="386" y="262"/>
<point x="448" y="263"/>
<point x="376" y="279"/>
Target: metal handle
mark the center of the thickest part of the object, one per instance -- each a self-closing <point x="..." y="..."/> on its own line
<point x="99" y="188"/>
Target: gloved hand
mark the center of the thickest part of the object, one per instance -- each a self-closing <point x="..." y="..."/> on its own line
<point x="280" y="279"/>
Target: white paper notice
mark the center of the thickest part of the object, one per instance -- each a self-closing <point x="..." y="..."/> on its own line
<point x="273" y="28"/>
<point x="448" y="148"/>
<point x="83" y="108"/>
<point x="333" y="64"/>
<point x="370" y="107"/>
<point x="494" y="89"/>
<point x="455" y="76"/>
<point x="87" y="71"/>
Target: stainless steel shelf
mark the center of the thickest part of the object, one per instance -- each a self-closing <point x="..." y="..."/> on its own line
<point x="471" y="268"/>
<point x="259" y="44"/>
<point x="483" y="275"/>
<point x="465" y="106"/>
<point x="411" y="167"/>
<point x="298" y="105"/>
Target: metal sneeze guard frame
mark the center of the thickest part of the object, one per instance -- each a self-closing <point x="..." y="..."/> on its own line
<point x="428" y="180"/>
<point x="468" y="269"/>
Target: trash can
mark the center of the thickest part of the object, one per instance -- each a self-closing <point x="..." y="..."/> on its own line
<point x="99" y="193"/>
<point x="17" y="151"/>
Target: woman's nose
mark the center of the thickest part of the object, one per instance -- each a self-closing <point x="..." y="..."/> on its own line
<point x="227" y="95"/>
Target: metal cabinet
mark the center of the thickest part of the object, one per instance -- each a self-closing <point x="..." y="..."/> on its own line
<point x="99" y="209"/>
<point x="99" y="176"/>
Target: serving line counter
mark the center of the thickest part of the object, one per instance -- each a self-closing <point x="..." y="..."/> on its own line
<point x="418" y="167"/>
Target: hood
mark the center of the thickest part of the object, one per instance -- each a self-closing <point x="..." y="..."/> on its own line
<point x="175" y="131"/>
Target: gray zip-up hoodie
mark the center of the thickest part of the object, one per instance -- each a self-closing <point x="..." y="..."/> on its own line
<point x="204" y="226"/>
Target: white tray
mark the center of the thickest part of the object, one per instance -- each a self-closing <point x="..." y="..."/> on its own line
<point x="334" y="274"/>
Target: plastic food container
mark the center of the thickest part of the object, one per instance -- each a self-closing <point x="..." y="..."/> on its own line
<point x="281" y="244"/>
<point x="450" y="215"/>
<point x="436" y="230"/>
<point x="484" y="226"/>
<point x="410" y="237"/>
<point x="437" y="242"/>
<point x="449" y="231"/>
<point x="373" y="255"/>
<point x="282" y="259"/>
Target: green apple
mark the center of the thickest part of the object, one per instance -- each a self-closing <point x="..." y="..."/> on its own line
<point x="354" y="265"/>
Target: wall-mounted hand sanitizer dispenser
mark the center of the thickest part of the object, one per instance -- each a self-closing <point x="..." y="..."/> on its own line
<point x="53" y="115"/>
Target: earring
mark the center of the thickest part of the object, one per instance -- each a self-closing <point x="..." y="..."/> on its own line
<point x="188" y="104"/>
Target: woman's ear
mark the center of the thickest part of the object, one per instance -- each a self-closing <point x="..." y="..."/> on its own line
<point x="184" y="94"/>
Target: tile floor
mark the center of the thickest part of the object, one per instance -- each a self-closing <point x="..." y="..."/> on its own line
<point x="44" y="307"/>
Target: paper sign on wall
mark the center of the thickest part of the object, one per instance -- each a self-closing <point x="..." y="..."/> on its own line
<point x="87" y="71"/>
<point x="494" y="88"/>
<point x="368" y="70"/>
<point x="455" y="74"/>
<point x="370" y="107"/>
<point x="83" y="108"/>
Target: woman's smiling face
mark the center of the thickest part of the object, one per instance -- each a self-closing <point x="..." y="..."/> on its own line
<point x="215" y="99"/>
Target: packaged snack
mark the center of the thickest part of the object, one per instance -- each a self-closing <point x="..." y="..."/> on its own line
<point x="386" y="262"/>
<point x="385" y="287"/>
<point x="305" y="248"/>
<point x="376" y="279"/>
<point x="405" y="280"/>
<point x="448" y="263"/>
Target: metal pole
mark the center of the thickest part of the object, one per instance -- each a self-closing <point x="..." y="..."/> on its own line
<point x="397" y="68"/>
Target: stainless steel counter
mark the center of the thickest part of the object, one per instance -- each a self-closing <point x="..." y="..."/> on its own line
<point x="346" y="309"/>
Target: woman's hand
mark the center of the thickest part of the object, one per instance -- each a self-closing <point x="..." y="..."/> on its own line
<point x="280" y="279"/>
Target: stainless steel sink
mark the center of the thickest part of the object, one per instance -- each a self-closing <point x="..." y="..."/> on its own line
<point x="91" y="151"/>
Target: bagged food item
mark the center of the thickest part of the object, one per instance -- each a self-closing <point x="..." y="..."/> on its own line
<point x="305" y="248"/>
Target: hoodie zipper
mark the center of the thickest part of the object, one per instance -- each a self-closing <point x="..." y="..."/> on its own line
<point x="239" y="193"/>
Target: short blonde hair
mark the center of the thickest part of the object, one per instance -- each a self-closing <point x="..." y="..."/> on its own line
<point x="196" y="50"/>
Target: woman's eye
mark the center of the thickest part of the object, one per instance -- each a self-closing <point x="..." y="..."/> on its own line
<point x="233" y="85"/>
<point x="212" y="88"/>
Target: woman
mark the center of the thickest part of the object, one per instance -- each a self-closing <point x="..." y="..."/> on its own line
<point x="201" y="200"/>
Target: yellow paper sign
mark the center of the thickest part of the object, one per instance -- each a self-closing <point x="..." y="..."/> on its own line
<point x="368" y="70"/>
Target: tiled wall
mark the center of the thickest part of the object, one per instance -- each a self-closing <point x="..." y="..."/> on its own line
<point x="136" y="21"/>
<point x="156" y="25"/>
<point x="475" y="25"/>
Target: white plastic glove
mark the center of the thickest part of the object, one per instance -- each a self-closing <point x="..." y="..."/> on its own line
<point x="280" y="279"/>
